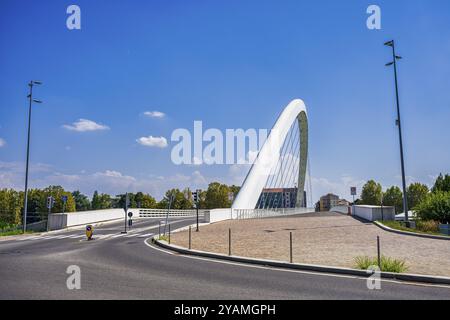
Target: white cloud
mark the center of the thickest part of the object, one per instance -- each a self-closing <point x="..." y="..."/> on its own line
<point x="154" y="114"/>
<point x="2" y="142"/>
<point x="84" y="125"/>
<point x="322" y="186"/>
<point x="150" y="141"/>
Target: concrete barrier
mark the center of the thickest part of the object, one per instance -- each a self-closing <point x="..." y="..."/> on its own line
<point x="59" y="221"/>
<point x="215" y="215"/>
<point x="374" y="213"/>
<point x="71" y="219"/>
<point x="342" y="209"/>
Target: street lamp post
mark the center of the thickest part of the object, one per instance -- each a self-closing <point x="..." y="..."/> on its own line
<point x="25" y="206"/>
<point x="398" y="122"/>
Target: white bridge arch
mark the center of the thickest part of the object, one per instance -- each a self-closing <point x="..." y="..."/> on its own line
<point x="267" y="158"/>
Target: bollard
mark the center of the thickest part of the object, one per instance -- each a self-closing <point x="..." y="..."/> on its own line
<point x="290" y="246"/>
<point x="229" y="242"/>
<point x="169" y="233"/>
<point x="159" y="229"/>
<point x="379" y="253"/>
<point x="190" y="241"/>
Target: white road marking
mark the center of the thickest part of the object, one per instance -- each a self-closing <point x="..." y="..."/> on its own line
<point x="145" y="235"/>
<point x="138" y="232"/>
<point x="118" y="235"/>
<point x="241" y="264"/>
<point x="62" y="237"/>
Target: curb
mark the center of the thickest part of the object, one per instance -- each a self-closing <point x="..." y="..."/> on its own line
<point x="306" y="267"/>
<point x="407" y="233"/>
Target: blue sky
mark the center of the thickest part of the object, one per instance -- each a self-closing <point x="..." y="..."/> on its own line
<point x="231" y="64"/>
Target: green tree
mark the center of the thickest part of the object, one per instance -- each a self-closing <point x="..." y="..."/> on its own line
<point x="393" y="197"/>
<point x="121" y="200"/>
<point x="371" y="193"/>
<point x="145" y="201"/>
<point x="11" y="205"/>
<point x="217" y="196"/>
<point x="35" y="202"/>
<point x="101" y="201"/>
<point x="416" y="193"/>
<point x="235" y="190"/>
<point x="57" y="192"/>
<point x="442" y="183"/>
<point x="179" y="200"/>
<point x="435" y="206"/>
<point x="82" y="202"/>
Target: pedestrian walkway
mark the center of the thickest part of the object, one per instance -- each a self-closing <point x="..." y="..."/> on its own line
<point x="97" y="236"/>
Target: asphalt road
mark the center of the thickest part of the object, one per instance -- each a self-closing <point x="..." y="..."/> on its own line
<point x="115" y="266"/>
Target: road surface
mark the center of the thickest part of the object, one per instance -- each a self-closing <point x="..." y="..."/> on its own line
<point x="117" y="266"/>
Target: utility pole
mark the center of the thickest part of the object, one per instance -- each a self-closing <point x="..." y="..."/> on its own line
<point x="25" y="205"/>
<point x="399" y="125"/>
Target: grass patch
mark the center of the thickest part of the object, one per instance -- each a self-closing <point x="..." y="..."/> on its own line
<point x="13" y="233"/>
<point x="387" y="264"/>
<point x="163" y="237"/>
<point x="424" y="227"/>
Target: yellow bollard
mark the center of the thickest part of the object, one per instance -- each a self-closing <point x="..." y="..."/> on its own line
<point x="89" y="232"/>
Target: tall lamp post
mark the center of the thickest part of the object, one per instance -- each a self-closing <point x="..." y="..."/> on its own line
<point x="399" y="125"/>
<point x="25" y="205"/>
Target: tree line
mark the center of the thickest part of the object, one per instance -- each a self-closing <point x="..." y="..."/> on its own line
<point x="217" y="195"/>
<point x="417" y="193"/>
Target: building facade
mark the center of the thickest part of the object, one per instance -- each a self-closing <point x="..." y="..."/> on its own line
<point x="328" y="201"/>
<point x="279" y="198"/>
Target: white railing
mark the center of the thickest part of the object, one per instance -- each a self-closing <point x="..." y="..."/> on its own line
<point x="154" y="213"/>
<point x="266" y="213"/>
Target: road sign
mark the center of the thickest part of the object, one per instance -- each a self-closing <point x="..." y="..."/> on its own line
<point x="64" y="199"/>
<point x="130" y="214"/>
<point x="353" y="191"/>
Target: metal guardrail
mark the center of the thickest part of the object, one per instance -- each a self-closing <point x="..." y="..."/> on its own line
<point x="151" y="213"/>
<point x="241" y="214"/>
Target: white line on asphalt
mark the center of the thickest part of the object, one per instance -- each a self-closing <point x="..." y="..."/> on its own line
<point x="30" y="238"/>
<point x="131" y="235"/>
<point x="145" y="235"/>
<point x="75" y="236"/>
<point x="62" y="237"/>
<point x="118" y="235"/>
<point x="287" y="270"/>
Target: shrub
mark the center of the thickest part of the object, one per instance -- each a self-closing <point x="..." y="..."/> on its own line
<point x="428" y="226"/>
<point x="164" y="237"/>
<point x="387" y="264"/>
<point x="436" y="206"/>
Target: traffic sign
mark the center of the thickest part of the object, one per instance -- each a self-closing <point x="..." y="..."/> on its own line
<point x="64" y="199"/>
<point x="353" y="191"/>
<point x="130" y="214"/>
